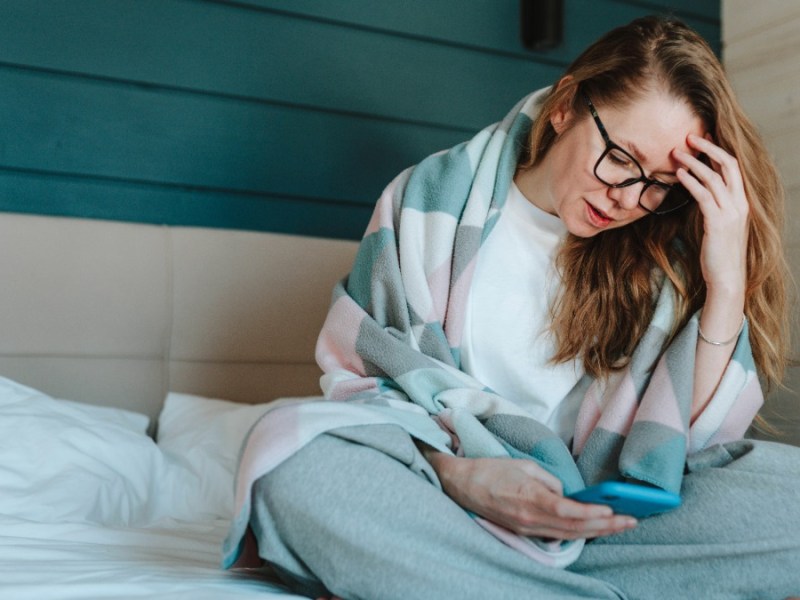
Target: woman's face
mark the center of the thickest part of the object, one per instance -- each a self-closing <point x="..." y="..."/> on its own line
<point x="564" y="184"/>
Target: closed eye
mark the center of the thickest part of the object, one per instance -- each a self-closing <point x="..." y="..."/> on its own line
<point x="620" y="159"/>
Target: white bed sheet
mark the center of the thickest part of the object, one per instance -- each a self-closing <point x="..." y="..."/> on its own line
<point x="45" y="561"/>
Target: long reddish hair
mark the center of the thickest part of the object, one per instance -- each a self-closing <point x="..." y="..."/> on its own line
<point x="607" y="293"/>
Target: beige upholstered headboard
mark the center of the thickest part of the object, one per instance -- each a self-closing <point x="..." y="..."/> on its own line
<point x="119" y="314"/>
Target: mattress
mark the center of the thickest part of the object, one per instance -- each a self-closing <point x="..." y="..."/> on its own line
<point x="93" y="507"/>
<point x="45" y="561"/>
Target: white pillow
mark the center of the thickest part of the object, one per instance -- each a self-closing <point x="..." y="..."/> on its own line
<point x="66" y="461"/>
<point x="12" y="392"/>
<point x="205" y="435"/>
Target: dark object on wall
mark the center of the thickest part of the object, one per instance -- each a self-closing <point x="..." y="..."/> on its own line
<point x="542" y="23"/>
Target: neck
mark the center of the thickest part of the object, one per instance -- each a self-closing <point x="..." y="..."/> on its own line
<point x="532" y="182"/>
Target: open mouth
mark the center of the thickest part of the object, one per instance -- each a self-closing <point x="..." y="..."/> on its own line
<point x="597" y="217"/>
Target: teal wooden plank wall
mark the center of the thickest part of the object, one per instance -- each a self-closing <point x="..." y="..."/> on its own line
<point x="271" y="115"/>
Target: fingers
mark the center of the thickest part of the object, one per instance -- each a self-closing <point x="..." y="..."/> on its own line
<point x="725" y="164"/>
<point x="552" y="482"/>
<point x="526" y="499"/>
<point x="703" y="183"/>
<point x="719" y="190"/>
<point x="552" y="515"/>
<point x="583" y="529"/>
<point x="720" y="183"/>
<point x="568" y="519"/>
<point x="700" y="191"/>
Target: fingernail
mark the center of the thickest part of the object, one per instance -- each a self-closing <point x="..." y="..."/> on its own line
<point x="631" y="522"/>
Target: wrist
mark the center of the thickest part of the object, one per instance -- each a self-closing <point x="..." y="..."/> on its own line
<point x="435" y="458"/>
<point x="724" y="303"/>
<point x="724" y="342"/>
<point x="443" y="464"/>
<point x="450" y="471"/>
<point x="725" y="290"/>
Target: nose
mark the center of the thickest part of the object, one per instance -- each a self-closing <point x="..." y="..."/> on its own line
<point x="626" y="197"/>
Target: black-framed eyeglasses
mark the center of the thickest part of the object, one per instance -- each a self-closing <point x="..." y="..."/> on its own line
<point x="616" y="168"/>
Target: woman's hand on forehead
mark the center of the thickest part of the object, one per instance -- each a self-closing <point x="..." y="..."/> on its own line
<point x="719" y="190"/>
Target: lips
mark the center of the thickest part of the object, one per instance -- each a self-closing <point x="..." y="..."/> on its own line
<point x="596" y="217"/>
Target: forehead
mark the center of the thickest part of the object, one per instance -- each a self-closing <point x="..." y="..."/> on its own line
<point x="651" y="126"/>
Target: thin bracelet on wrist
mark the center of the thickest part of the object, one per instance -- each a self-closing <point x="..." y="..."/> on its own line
<point x="726" y="342"/>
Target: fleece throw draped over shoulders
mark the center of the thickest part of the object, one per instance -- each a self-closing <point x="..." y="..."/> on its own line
<point x="390" y="353"/>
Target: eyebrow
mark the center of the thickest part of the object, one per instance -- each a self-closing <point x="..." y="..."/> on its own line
<point x="633" y="149"/>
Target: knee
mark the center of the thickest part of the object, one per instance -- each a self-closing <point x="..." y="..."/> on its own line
<point x="293" y="484"/>
<point x="771" y="458"/>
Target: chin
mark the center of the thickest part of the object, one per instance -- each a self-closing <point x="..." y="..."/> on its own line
<point x="582" y="230"/>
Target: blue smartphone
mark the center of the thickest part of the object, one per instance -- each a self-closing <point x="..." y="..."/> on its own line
<point x="632" y="499"/>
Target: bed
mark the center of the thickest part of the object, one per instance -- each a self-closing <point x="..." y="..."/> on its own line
<point x="133" y="361"/>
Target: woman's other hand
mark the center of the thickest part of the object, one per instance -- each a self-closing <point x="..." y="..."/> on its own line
<point x="521" y="496"/>
<point x="719" y="191"/>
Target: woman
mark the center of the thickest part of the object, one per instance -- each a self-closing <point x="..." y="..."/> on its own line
<point x="583" y="292"/>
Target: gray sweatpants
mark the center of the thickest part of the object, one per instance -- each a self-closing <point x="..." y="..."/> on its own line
<point x="355" y="513"/>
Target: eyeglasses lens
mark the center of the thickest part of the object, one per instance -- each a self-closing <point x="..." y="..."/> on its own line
<point x="617" y="168"/>
<point x="663" y="200"/>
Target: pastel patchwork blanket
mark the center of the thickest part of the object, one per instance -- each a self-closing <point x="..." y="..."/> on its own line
<point x="389" y="350"/>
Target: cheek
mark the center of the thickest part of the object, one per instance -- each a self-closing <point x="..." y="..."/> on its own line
<point x="573" y="174"/>
<point x="579" y="182"/>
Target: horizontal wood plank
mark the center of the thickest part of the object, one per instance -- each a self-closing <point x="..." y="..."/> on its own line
<point x="105" y="130"/>
<point x="216" y="49"/>
<point x="287" y="57"/>
<point x="493" y="25"/>
<point x="45" y="194"/>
